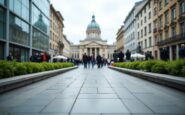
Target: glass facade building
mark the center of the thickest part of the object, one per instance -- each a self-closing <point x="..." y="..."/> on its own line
<point x="24" y="28"/>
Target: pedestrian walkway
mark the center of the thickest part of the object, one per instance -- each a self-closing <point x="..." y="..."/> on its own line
<point x="93" y="92"/>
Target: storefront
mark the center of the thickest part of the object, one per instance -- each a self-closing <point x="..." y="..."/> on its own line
<point x="19" y="54"/>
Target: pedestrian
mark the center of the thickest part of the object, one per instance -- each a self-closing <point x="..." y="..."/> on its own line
<point x="10" y="57"/>
<point x="182" y="51"/>
<point x="121" y="56"/>
<point x="93" y="60"/>
<point x="115" y="56"/>
<point x="128" y="55"/>
<point x="99" y="60"/>
<point x="88" y="61"/>
<point x="85" y="60"/>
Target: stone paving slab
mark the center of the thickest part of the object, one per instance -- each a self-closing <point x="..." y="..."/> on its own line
<point x="93" y="92"/>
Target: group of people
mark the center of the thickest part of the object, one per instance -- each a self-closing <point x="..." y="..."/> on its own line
<point x="40" y="57"/>
<point x="119" y="57"/>
<point x="92" y="60"/>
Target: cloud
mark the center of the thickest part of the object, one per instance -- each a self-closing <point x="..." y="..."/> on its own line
<point x="110" y="15"/>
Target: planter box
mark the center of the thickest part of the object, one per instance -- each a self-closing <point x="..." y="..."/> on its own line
<point x="167" y="80"/>
<point x="20" y="81"/>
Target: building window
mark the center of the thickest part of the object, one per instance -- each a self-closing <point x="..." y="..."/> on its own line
<point x="149" y="15"/>
<point x="138" y="35"/>
<point x="166" y="34"/>
<point x="155" y="11"/>
<point x="150" y="41"/>
<point x="20" y="7"/>
<point x="149" y="28"/>
<point x="160" y="21"/>
<point x="182" y="7"/>
<point x="145" y="19"/>
<point x="166" y="17"/>
<point x="160" y="4"/>
<point x="141" y="22"/>
<point x="145" y="31"/>
<point x="141" y="33"/>
<point x="173" y="13"/>
<point x="173" y="31"/>
<point x="19" y="30"/>
<point x="160" y="36"/>
<point x="145" y="43"/>
<point x="166" y="2"/>
<point x="2" y="24"/>
<point x="182" y="28"/>
<point x="2" y="2"/>
<point x="149" y="6"/>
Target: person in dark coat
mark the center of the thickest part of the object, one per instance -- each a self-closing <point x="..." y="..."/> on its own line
<point x="93" y="60"/>
<point x="10" y="57"/>
<point x="88" y="61"/>
<point x="99" y="60"/>
<point x="164" y="54"/>
<point x="121" y="56"/>
<point x="85" y="60"/>
<point x="128" y="55"/>
<point x="115" y="56"/>
<point x="182" y="51"/>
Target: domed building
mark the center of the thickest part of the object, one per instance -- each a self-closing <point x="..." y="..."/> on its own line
<point x="93" y="43"/>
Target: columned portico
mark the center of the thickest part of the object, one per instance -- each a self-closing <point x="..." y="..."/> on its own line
<point x="93" y="44"/>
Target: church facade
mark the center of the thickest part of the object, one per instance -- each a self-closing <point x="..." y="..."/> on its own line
<point x="93" y="43"/>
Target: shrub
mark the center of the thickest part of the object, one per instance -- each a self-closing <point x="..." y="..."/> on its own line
<point x="20" y="69"/>
<point x="159" y="67"/>
<point x="183" y="71"/>
<point x="147" y="65"/>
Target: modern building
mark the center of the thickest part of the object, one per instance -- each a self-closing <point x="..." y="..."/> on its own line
<point x="169" y="27"/>
<point x="120" y="39"/>
<point x="56" y="32"/>
<point x="144" y="27"/>
<point x="93" y="43"/>
<point x="24" y="28"/>
<point x="130" y="29"/>
<point x="67" y="47"/>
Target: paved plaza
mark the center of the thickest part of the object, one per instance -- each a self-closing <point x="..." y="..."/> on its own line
<point x="93" y="92"/>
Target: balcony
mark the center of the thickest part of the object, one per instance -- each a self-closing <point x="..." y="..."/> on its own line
<point x="176" y="38"/>
<point x="181" y="17"/>
<point x="173" y="21"/>
<point x="160" y="28"/>
<point x="154" y="30"/>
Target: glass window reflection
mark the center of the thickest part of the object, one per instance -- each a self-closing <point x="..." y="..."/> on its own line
<point x="19" y="31"/>
<point x="20" y="7"/>
<point x="40" y="41"/>
<point x="2" y="24"/>
<point x="40" y="21"/>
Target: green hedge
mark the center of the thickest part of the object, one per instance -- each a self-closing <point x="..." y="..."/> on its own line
<point x="12" y="68"/>
<point x="176" y="68"/>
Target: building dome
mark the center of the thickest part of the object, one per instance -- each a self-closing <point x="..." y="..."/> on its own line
<point x="93" y="25"/>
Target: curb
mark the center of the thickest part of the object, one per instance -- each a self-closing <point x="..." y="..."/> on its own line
<point x="166" y="80"/>
<point x="23" y="80"/>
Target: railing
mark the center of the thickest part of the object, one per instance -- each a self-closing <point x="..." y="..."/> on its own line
<point x="172" y="39"/>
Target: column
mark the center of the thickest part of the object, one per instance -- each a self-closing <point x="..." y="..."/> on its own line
<point x="177" y="51"/>
<point x="7" y="45"/>
<point x="95" y="53"/>
<point x="170" y="53"/>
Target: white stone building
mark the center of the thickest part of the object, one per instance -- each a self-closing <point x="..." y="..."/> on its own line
<point x="93" y="43"/>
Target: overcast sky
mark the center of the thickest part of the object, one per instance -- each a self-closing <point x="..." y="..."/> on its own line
<point x="77" y="14"/>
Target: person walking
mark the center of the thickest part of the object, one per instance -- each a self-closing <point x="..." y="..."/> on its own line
<point x="85" y="60"/>
<point x="99" y="60"/>
<point x="121" y="56"/>
<point x="88" y="61"/>
<point x="115" y="56"/>
<point x="93" y="60"/>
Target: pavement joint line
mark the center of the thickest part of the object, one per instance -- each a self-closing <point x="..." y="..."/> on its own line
<point x="77" y="96"/>
<point x="137" y="99"/>
<point x="116" y="93"/>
